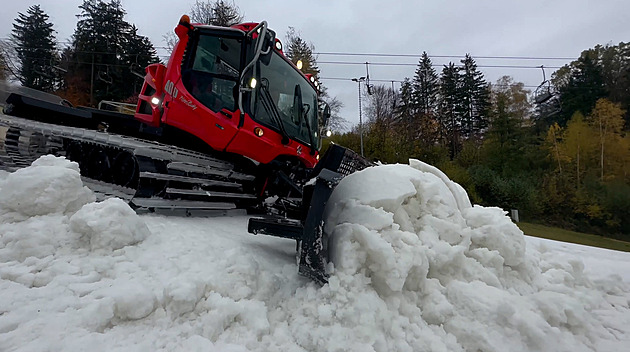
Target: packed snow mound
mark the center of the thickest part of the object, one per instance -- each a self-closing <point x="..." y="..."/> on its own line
<point x="50" y="185"/>
<point x="45" y="211"/>
<point x="413" y="226"/>
<point x="459" y="273"/>
<point x="108" y="225"/>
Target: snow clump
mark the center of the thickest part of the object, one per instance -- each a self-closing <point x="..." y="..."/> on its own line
<point x="45" y="208"/>
<point x="51" y="185"/>
<point x="108" y="225"/>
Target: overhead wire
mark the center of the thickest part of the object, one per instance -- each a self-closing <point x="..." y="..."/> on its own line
<point x="443" y="56"/>
<point x="434" y="65"/>
<point x="384" y="55"/>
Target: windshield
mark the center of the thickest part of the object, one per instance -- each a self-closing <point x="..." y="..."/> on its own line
<point x="279" y="78"/>
<point x="213" y="72"/>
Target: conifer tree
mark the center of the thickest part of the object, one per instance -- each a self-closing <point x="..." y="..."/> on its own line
<point x="139" y="52"/>
<point x="405" y="110"/>
<point x="584" y="87"/>
<point x="475" y="99"/>
<point x="104" y="48"/>
<point x="426" y="86"/>
<point x="450" y="111"/>
<point x="425" y="101"/>
<point x="34" y="41"/>
<point x="297" y="49"/>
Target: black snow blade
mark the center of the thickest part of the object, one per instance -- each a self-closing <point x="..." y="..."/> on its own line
<point x="313" y="255"/>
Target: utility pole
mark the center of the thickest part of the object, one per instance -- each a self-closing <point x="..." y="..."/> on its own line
<point x="359" y="80"/>
<point x="92" y="83"/>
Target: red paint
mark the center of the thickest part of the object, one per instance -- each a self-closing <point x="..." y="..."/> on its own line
<point x="220" y="130"/>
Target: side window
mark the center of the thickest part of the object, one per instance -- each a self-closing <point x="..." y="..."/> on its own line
<point x="213" y="76"/>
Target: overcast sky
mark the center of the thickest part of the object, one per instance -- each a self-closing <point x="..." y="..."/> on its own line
<point x="483" y="28"/>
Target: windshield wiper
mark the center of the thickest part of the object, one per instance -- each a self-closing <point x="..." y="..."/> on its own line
<point x="297" y="104"/>
<point x="308" y="128"/>
<point x="272" y="109"/>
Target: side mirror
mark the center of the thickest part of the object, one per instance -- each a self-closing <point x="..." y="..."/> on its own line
<point x="325" y="114"/>
<point x="267" y="46"/>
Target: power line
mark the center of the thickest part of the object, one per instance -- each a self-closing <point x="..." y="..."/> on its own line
<point x="350" y="79"/>
<point x="326" y="53"/>
<point x="445" y="56"/>
<point x="434" y="65"/>
<point x="399" y="81"/>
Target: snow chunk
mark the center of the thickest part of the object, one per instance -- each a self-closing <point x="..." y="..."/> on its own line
<point x="182" y="295"/>
<point x="130" y="300"/>
<point x="108" y="225"/>
<point x="38" y="237"/>
<point x="51" y="185"/>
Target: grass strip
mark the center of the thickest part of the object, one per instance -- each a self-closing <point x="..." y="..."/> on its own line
<point x="586" y="239"/>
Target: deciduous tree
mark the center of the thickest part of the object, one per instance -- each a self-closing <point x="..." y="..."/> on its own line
<point x="506" y="138"/>
<point x="580" y="146"/>
<point x="607" y="119"/>
<point x="216" y="13"/>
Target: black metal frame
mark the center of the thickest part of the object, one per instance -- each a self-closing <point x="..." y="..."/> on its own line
<point x="337" y="163"/>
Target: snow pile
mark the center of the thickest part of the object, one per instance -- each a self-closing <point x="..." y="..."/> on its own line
<point x="449" y="276"/>
<point x="108" y="225"/>
<point x="417" y="268"/>
<point x="49" y="186"/>
<point x="46" y="212"/>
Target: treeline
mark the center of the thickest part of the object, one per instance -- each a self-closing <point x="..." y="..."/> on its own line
<point x="102" y="61"/>
<point x="560" y="154"/>
<point x="106" y="57"/>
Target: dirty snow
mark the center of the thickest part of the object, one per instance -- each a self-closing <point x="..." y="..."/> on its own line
<point x="418" y="268"/>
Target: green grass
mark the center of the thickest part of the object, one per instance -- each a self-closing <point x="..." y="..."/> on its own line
<point x="557" y="234"/>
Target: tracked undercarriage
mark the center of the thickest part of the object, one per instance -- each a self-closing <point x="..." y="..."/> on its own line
<point x="149" y="175"/>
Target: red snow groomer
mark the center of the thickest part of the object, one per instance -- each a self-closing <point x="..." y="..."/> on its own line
<point x="228" y="123"/>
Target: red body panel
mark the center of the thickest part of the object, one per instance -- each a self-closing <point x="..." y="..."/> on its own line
<point x="220" y="130"/>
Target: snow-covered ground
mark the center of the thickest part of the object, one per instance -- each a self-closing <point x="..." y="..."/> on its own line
<point x="417" y="269"/>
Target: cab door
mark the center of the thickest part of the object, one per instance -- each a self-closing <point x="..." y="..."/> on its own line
<point x="203" y="101"/>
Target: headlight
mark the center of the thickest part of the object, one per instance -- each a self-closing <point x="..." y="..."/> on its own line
<point x="252" y="83"/>
<point x="278" y="45"/>
<point x="155" y="101"/>
<point x="328" y="133"/>
<point x="299" y="64"/>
